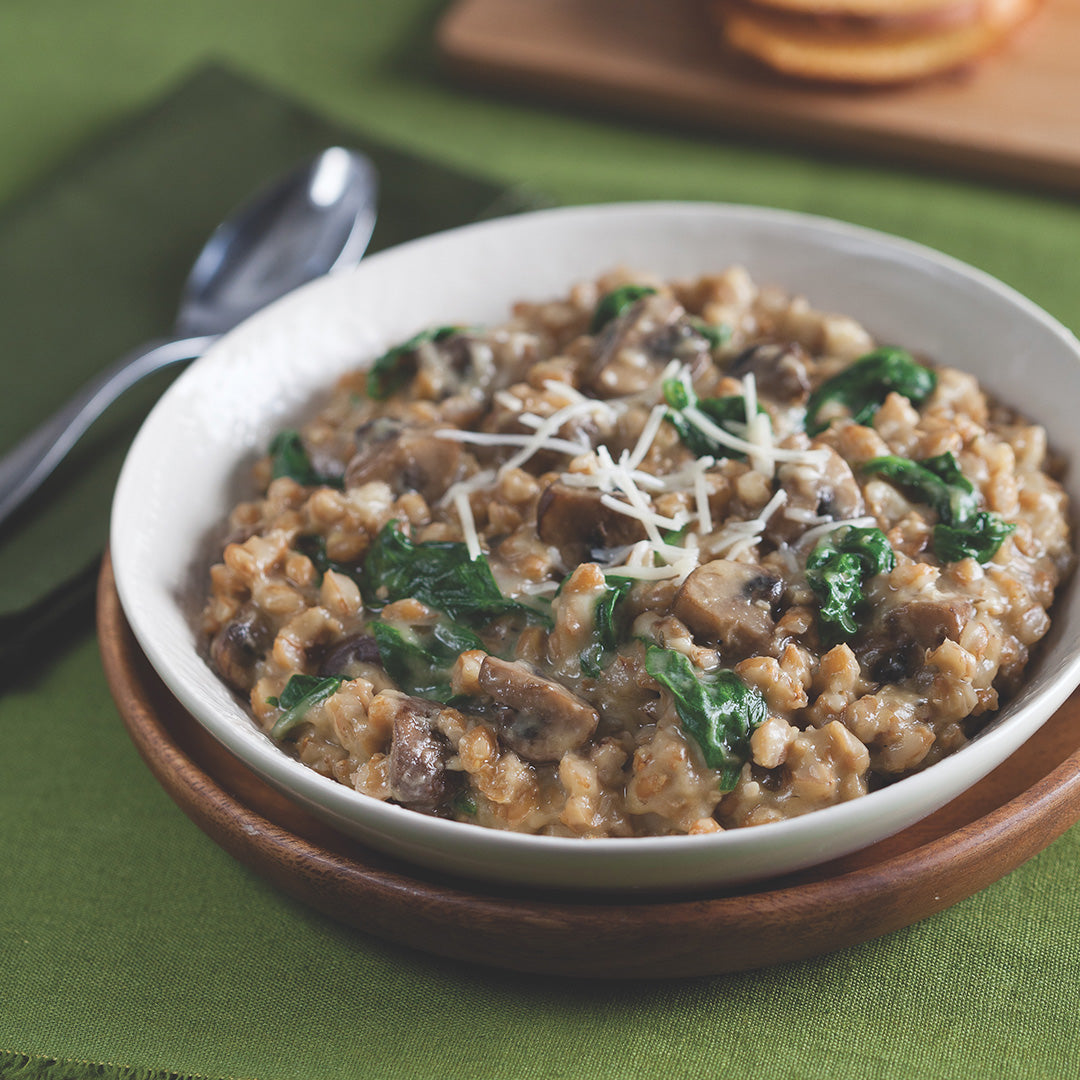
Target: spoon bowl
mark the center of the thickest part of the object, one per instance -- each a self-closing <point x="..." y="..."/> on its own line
<point x="316" y="218"/>
<point x="313" y="220"/>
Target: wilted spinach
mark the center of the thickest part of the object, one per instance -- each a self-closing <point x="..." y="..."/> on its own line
<point x="838" y="567"/>
<point x="438" y="573"/>
<point x="717" y="710"/>
<point x="301" y="693"/>
<point x="864" y="385"/>
<point x="723" y="411"/>
<point x="611" y="305"/>
<point x="963" y="531"/>
<point x="420" y="662"/>
<point x="393" y="369"/>
<point x="716" y="334"/>
<point x="288" y="457"/>
<point x="605" y="635"/>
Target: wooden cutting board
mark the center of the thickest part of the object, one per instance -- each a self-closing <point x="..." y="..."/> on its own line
<point x="1015" y="116"/>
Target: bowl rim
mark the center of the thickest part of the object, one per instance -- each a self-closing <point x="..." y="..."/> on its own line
<point x="338" y="800"/>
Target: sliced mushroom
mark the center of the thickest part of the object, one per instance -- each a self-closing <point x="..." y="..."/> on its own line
<point x="418" y="775"/>
<point x="238" y="645"/>
<point x="816" y="491"/>
<point x="577" y="522"/>
<point x="632" y="350"/>
<point x="585" y="429"/>
<point x="445" y="364"/>
<point x="929" y="622"/>
<point x="730" y="603"/>
<point x="349" y="656"/>
<point x="891" y="661"/>
<point x="542" y="720"/>
<point x="779" y="370"/>
<point x="406" y="458"/>
<point x="896" y="647"/>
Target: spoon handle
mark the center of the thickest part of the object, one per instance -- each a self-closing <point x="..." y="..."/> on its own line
<point x="25" y="466"/>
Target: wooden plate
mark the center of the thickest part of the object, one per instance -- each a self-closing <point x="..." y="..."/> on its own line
<point x="993" y="828"/>
<point x="1010" y="116"/>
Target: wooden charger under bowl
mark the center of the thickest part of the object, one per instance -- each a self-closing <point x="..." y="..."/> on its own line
<point x="979" y="837"/>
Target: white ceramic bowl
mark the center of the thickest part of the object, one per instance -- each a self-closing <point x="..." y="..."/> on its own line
<point x="190" y="461"/>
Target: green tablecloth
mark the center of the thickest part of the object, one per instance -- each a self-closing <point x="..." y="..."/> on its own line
<point x="131" y="946"/>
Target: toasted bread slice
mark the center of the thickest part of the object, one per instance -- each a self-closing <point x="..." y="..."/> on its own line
<point x="868" y="53"/>
<point x="930" y="10"/>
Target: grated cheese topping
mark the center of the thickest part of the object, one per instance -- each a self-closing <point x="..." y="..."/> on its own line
<point x="624" y="486"/>
<point x="811" y="536"/>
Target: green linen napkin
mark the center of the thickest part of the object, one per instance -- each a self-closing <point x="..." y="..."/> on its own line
<point x="92" y="263"/>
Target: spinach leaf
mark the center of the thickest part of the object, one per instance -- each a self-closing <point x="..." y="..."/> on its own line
<point x="302" y="692"/>
<point x="605" y="636"/>
<point x="420" y="663"/>
<point x="865" y="385"/>
<point x="678" y="395"/>
<point x="978" y="538"/>
<point x="963" y="531"/>
<point x="289" y="458"/>
<point x="438" y="573"/>
<point x="397" y="365"/>
<point x="718" y="710"/>
<point x="838" y="567"/>
<point x="937" y="481"/>
<point x="716" y="334"/>
<point x="724" y="411"/>
<point x="613" y="304"/>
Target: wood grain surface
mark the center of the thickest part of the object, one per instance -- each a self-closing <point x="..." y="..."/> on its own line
<point x="1014" y="115"/>
<point x="976" y="839"/>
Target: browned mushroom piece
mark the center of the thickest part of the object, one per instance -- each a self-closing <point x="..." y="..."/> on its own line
<point x="779" y="370"/>
<point x="896" y="647"/>
<point x="632" y="350"/>
<point x="585" y="429"/>
<point x="730" y="603"/>
<point x="447" y="363"/>
<point x="929" y="622"/>
<point x="542" y="720"/>
<point x="238" y="645"/>
<point x="406" y="458"/>
<point x="349" y="656"/>
<point x="888" y="660"/>
<point x="577" y="522"/>
<point x="816" y="491"/>
<point x="418" y="775"/>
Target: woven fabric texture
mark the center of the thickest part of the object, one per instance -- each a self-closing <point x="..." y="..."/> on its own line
<point x="130" y="945"/>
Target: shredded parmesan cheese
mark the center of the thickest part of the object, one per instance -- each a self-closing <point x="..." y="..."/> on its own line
<point x="732" y="442"/>
<point x="468" y="524"/>
<point x="543" y="436"/>
<point x="531" y="442"/>
<point x="737" y="536"/>
<point x="458" y="495"/>
<point x="811" y="535"/>
<point x="701" y="496"/>
<point x="659" y="520"/>
<point x="645" y="439"/>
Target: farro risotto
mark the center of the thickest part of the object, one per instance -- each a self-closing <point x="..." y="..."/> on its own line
<point x="656" y="558"/>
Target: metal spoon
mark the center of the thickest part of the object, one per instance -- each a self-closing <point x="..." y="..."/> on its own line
<point x="317" y="218"/>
